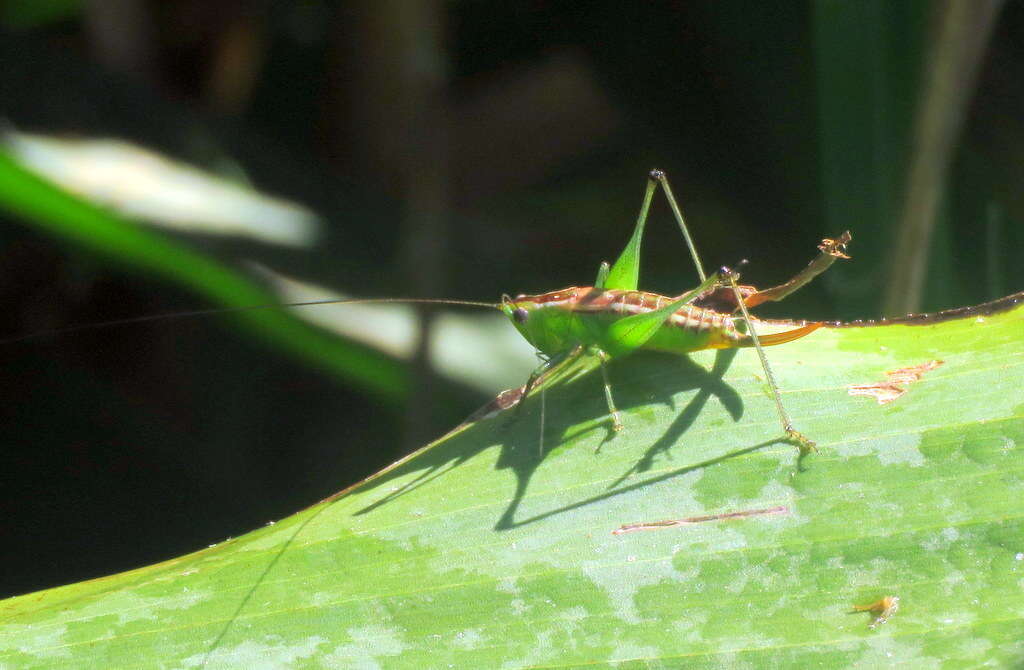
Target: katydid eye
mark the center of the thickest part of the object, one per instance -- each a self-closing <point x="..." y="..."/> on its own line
<point x="520" y="315"/>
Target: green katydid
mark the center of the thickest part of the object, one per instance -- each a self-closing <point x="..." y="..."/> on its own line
<point x="612" y="318"/>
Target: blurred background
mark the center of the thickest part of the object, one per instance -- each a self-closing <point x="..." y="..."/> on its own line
<point x="258" y="151"/>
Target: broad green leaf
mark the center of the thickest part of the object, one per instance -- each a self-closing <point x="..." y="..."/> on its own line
<point x="481" y="552"/>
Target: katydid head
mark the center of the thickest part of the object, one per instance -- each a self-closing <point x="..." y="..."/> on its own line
<point x="518" y="312"/>
<point x="539" y="319"/>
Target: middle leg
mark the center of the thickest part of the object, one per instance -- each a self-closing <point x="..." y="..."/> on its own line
<point x="798" y="439"/>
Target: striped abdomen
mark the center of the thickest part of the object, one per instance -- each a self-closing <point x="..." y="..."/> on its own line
<point x="579" y="315"/>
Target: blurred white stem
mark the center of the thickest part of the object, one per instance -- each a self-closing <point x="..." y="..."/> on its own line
<point x="961" y="33"/>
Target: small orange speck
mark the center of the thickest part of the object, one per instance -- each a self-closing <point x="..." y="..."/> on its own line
<point x="885" y="608"/>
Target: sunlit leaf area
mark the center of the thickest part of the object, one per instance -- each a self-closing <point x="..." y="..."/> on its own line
<point x="200" y="477"/>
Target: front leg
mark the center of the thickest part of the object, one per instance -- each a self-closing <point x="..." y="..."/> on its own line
<point x="612" y="410"/>
<point x="547" y="366"/>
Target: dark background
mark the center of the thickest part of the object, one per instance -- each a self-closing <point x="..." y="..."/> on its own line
<point x="458" y="149"/>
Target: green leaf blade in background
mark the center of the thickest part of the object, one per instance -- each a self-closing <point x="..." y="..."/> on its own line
<point x="478" y="552"/>
<point x="51" y="209"/>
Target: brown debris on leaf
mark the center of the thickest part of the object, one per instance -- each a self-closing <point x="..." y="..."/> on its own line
<point x="892" y="388"/>
<point x="669" y="523"/>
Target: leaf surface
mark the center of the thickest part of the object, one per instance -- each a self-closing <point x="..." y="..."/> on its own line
<point x="480" y="551"/>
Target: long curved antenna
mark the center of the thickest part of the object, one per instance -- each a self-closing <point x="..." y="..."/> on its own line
<point x="231" y="310"/>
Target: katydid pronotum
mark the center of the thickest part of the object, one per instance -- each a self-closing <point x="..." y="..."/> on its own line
<point x="612" y="318"/>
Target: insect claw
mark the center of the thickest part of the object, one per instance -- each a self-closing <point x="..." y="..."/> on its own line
<point x="836" y="247"/>
<point x="616" y="422"/>
<point x="729" y="276"/>
<point x="803" y="443"/>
